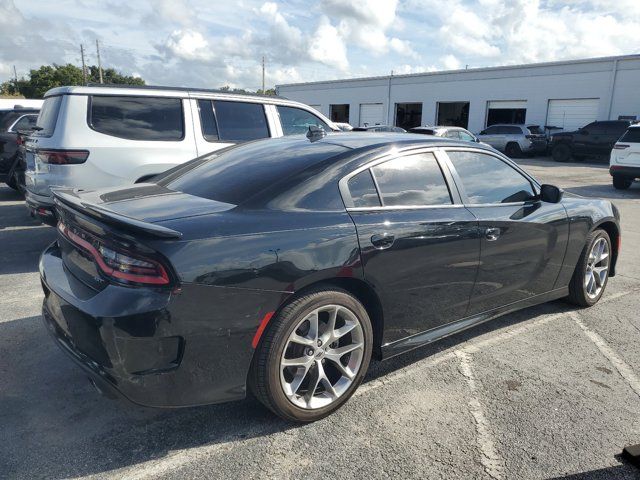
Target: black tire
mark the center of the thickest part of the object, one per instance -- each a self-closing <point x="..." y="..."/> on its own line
<point x="561" y="153"/>
<point x="513" y="150"/>
<point x="577" y="289"/>
<point x="265" y="370"/>
<point x="621" y="183"/>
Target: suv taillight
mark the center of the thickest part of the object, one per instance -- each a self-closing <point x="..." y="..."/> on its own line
<point x="62" y="157"/>
<point x="122" y="266"/>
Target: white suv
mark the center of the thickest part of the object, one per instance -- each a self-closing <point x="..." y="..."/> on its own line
<point x="100" y="136"/>
<point x="624" y="163"/>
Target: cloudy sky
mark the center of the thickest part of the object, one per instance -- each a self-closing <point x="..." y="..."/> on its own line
<point x="210" y="43"/>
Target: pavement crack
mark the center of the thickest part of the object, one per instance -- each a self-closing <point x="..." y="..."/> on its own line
<point x="491" y="460"/>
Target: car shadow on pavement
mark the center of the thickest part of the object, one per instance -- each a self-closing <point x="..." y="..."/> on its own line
<point x="619" y="472"/>
<point x="606" y="191"/>
<point x="55" y="425"/>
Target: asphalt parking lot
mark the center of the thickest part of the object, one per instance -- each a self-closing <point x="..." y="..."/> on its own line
<point x="548" y="392"/>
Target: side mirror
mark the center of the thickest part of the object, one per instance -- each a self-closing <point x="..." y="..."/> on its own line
<point x="550" y="193"/>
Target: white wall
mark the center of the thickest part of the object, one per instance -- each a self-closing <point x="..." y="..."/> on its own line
<point x="537" y="84"/>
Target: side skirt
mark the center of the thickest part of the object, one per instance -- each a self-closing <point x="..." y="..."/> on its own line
<point x="420" y="339"/>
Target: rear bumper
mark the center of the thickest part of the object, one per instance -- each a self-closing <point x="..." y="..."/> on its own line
<point x="624" y="171"/>
<point x="41" y="207"/>
<point x="154" y="347"/>
<point x="536" y="147"/>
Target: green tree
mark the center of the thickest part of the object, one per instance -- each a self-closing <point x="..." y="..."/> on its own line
<point x="51" y="76"/>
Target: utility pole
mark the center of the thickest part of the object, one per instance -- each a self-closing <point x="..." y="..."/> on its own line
<point x="84" y="67"/>
<point x="99" y="62"/>
<point x="15" y="79"/>
<point x="263" y="92"/>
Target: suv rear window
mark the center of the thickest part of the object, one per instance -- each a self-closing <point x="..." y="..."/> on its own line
<point x="632" y="135"/>
<point x="48" y="116"/>
<point x="137" y="118"/>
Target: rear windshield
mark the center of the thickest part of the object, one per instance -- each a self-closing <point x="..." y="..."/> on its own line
<point x="46" y="124"/>
<point x="235" y="174"/>
<point x="632" y="135"/>
<point x="138" y="118"/>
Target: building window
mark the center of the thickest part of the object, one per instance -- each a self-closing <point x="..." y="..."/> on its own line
<point x="454" y="114"/>
<point x="339" y="113"/>
<point x="408" y="115"/>
<point x="503" y="111"/>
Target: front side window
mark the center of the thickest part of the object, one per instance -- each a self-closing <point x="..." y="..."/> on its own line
<point x="452" y="134"/>
<point x="138" y="118"/>
<point x="491" y="131"/>
<point x="412" y="180"/>
<point x="467" y="137"/>
<point x="513" y="130"/>
<point x="297" y="121"/>
<point x="363" y="190"/>
<point x="487" y="179"/>
<point x="240" y="121"/>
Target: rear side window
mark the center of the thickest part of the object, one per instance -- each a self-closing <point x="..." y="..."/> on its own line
<point x="512" y="130"/>
<point x="26" y="122"/>
<point x="363" y="190"/>
<point x="487" y="179"/>
<point x="208" y="122"/>
<point x="137" y="118"/>
<point x="632" y="135"/>
<point x="412" y="180"/>
<point x="240" y="121"/>
<point x="297" y="121"/>
<point x="48" y="116"/>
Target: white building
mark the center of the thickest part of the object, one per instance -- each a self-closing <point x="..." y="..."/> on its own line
<point x="566" y="94"/>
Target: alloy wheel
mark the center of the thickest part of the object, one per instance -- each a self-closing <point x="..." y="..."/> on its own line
<point x="322" y="356"/>
<point x="597" y="268"/>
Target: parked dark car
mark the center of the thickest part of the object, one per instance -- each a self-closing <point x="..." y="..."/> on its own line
<point x="285" y="265"/>
<point x="593" y="140"/>
<point x="379" y="128"/>
<point x="12" y="121"/>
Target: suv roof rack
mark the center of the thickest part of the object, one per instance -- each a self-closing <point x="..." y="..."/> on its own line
<point x="179" y="89"/>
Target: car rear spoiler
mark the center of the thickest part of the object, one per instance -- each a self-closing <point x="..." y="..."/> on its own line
<point x="66" y="199"/>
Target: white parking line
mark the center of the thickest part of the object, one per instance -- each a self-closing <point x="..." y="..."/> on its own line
<point x="620" y="365"/>
<point x="490" y="459"/>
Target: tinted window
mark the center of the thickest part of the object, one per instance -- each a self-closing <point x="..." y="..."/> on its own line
<point x="487" y="179"/>
<point x="491" y="131"/>
<point x="240" y="121"/>
<point x="296" y="121"/>
<point x="235" y="174"/>
<point x="595" y="128"/>
<point x="48" y="116"/>
<point x="616" y="128"/>
<point x="467" y="137"/>
<point x="412" y="180"/>
<point x="363" y="190"/>
<point x="138" y="118"/>
<point x="452" y="134"/>
<point x="208" y="123"/>
<point x="632" y="135"/>
<point x="512" y="130"/>
<point x="27" y="122"/>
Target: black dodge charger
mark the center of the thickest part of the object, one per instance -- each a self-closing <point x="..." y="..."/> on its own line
<point x="284" y="265"/>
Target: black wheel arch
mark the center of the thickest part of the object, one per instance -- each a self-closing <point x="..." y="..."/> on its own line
<point x="613" y="230"/>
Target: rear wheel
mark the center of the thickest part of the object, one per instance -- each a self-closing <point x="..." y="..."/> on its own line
<point x="592" y="272"/>
<point x="621" y="183"/>
<point x="513" y="150"/>
<point x="313" y="356"/>
<point x="561" y="153"/>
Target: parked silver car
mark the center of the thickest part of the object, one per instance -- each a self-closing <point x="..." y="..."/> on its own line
<point x="457" y="133"/>
<point x="515" y="140"/>
<point x="101" y="136"/>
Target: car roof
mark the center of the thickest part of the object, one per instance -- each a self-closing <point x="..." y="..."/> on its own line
<point x="380" y="139"/>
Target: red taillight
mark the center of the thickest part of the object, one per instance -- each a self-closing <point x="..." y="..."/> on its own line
<point x="620" y="146"/>
<point x="117" y="264"/>
<point x="19" y="140"/>
<point x="62" y="157"/>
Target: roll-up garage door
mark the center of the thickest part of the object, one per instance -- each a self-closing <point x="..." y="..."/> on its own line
<point x="572" y="114"/>
<point x="506" y="111"/>
<point x="371" y="114"/>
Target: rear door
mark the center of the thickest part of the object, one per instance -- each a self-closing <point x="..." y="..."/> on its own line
<point x="419" y="245"/>
<point x="523" y="240"/>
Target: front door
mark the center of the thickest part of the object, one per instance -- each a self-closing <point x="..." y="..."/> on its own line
<point x="419" y="245"/>
<point x="523" y="240"/>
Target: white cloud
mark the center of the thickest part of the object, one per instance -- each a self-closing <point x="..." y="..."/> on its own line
<point x="189" y="45"/>
<point x="450" y="62"/>
<point x="327" y="46"/>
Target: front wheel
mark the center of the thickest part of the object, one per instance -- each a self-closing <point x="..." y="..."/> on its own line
<point x="513" y="150"/>
<point x="592" y="272"/>
<point x="313" y="356"/>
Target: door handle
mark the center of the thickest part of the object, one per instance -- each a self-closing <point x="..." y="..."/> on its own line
<point x="492" y="234"/>
<point x="382" y="240"/>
